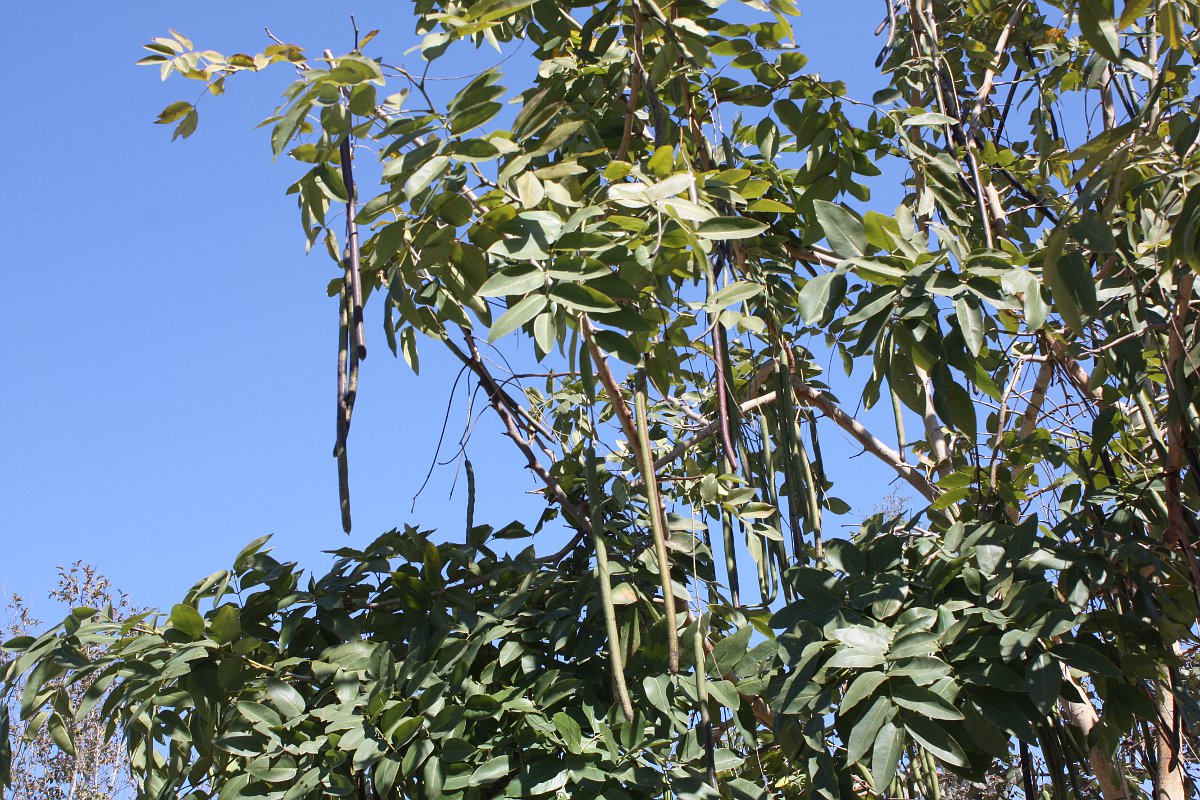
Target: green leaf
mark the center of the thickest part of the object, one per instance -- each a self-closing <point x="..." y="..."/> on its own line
<point x="492" y="10"/>
<point x="362" y="100"/>
<point x="885" y="755"/>
<point x="545" y="332"/>
<point x="557" y="779"/>
<point x="989" y="557"/>
<point x="970" y="322"/>
<point x="729" y="651"/>
<point x="733" y="293"/>
<point x="1064" y="298"/>
<point x="725" y="693"/>
<point x="404" y="730"/>
<point x="187" y="620"/>
<point x="864" y="733"/>
<point x="804" y="126"/>
<point x="225" y="624"/>
<point x="1087" y="659"/>
<point x="273" y="773"/>
<point x="187" y="126"/>
<point x="936" y="740"/>
<point x="352" y="70"/>
<point x="1099" y="28"/>
<point x="914" y="644"/>
<point x="862" y="636"/>
<point x="618" y="345"/>
<point x="426" y="174"/>
<point x="60" y="734"/>
<point x="998" y="709"/>
<point x="862" y="687"/>
<point x="287" y="700"/>
<point x="286" y="128"/>
<point x="5" y="747"/>
<point x="1170" y="23"/>
<point x="721" y="228"/>
<point x="384" y="777"/>
<point x="1132" y="10"/>
<point x="929" y="118"/>
<point x="242" y="561"/>
<point x="491" y="771"/>
<point x="516" y="316"/>
<point x="656" y="692"/>
<point x="1043" y="679"/>
<point x="925" y="702"/>
<point x="582" y="298"/>
<point x="952" y="402"/>
<point x="513" y="281"/>
<point x="473" y="150"/>
<point x="843" y="230"/>
<point x="821" y="297"/>
<point x="257" y="712"/>
<point x="855" y="658"/>
<point x="473" y="117"/>
<point x="173" y="112"/>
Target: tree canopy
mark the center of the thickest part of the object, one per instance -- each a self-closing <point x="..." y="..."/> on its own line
<point x="678" y="222"/>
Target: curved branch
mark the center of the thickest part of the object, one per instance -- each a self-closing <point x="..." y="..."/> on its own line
<point x="864" y="437"/>
<point x="500" y="402"/>
<point x="818" y="400"/>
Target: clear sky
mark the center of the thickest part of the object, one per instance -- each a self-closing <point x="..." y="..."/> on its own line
<point x="167" y="346"/>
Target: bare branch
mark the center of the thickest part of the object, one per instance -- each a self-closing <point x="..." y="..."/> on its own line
<point x="500" y="402"/>
<point x="815" y="399"/>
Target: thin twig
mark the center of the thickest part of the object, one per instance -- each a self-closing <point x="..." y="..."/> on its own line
<point x="499" y="401"/>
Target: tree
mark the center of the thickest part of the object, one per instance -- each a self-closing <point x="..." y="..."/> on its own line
<point x="678" y="220"/>
<point x="68" y="757"/>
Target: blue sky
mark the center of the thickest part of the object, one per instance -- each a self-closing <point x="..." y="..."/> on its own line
<point x="168" y="347"/>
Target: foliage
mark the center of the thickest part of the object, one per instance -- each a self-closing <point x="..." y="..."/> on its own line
<point x="92" y="765"/>
<point x="678" y="218"/>
<point x="413" y="663"/>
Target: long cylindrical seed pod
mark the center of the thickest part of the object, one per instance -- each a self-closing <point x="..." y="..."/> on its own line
<point x="916" y="760"/>
<point x="354" y="276"/>
<point x="658" y="528"/>
<point x="343" y="409"/>
<point x="702" y="701"/>
<point x="766" y="569"/>
<point x="932" y="782"/>
<point x="770" y="489"/>
<point x="800" y="475"/>
<point x="786" y="410"/>
<point x="811" y="498"/>
<point x="603" y="573"/>
<point x="898" y="415"/>
<point x="470" y="469"/>
<point x="759" y="466"/>
<point x="735" y="589"/>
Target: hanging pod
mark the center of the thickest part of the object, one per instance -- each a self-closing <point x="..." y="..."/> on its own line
<point x="658" y="528"/>
<point x="603" y="571"/>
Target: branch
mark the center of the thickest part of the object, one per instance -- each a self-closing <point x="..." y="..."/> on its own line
<point x="710" y="429"/>
<point x="1040" y="385"/>
<point x="1078" y="375"/>
<point x="635" y="77"/>
<point x="989" y="75"/>
<point x="933" y="428"/>
<point x="864" y="437"/>
<point x="813" y="254"/>
<point x="815" y="399"/>
<point x="501" y="402"/>
<point x="616" y="398"/>
<point x="723" y="392"/>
